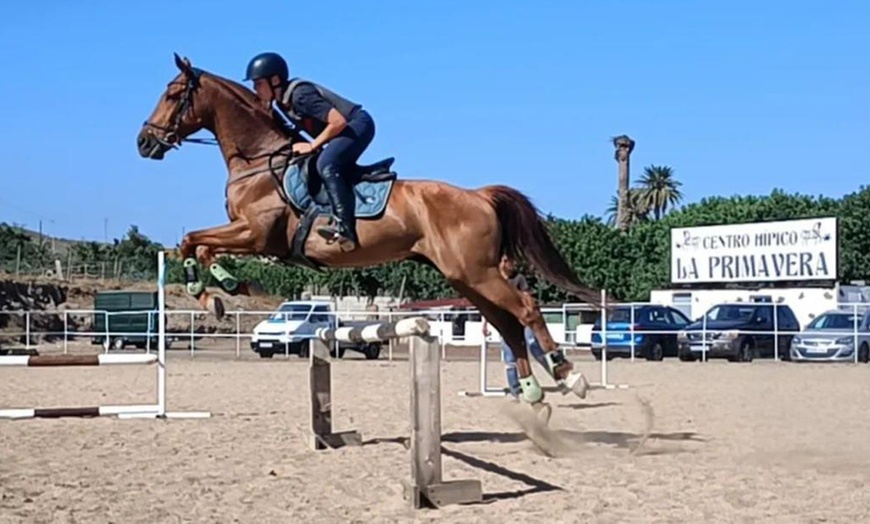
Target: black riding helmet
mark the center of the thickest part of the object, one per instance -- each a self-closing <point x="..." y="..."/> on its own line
<point x="265" y="65"/>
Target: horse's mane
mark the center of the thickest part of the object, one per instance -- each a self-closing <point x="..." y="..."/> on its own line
<point x="248" y="99"/>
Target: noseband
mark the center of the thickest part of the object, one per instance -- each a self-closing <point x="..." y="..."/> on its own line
<point x="171" y="139"/>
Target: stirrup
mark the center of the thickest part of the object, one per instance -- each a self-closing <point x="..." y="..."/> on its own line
<point x="334" y="234"/>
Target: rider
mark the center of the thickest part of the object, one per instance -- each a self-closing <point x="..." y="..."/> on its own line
<point x="328" y="118"/>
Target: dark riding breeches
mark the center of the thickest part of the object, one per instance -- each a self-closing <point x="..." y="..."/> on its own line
<point x="339" y="154"/>
<point x="349" y="145"/>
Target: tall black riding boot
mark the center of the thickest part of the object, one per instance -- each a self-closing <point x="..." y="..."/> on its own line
<point x="343" y="204"/>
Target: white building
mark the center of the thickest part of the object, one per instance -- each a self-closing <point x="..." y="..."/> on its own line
<point x="792" y="262"/>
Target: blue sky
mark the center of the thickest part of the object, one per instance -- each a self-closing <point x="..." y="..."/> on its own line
<point x="738" y="97"/>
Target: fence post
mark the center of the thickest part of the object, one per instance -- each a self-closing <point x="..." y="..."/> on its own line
<point x="238" y="334"/>
<point x="65" y="332"/>
<point x="775" y="333"/>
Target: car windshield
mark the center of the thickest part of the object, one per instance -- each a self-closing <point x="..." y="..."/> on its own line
<point x="291" y="312"/>
<point x="834" y="321"/>
<point x="732" y="312"/>
<point x="622" y="314"/>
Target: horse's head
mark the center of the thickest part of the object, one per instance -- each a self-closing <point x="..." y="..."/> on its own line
<point x="175" y="117"/>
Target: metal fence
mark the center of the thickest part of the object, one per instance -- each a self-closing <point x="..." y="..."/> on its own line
<point x="198" y="329"/>
<point x="846" y="339"/>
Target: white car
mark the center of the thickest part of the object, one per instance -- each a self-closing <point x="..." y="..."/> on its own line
<point x="289" y="329"/>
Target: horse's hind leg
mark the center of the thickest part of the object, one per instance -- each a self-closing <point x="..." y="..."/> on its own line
<point x="496" y="289"/>
<point x="510" y="330"/>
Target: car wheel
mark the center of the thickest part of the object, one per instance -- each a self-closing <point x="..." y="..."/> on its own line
<point x="864" y="353"/>
<point x="372" y="351"/>
<point x="785" y="350"/>
<point x="686" y="356"/>
<point x="304" y="349"/>
<point x="746" y="352"/>
<point x="656" y="352"/>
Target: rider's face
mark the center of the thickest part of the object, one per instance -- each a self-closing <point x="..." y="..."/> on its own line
<point x="261" y="86"/>
<point x="267" y="94"/>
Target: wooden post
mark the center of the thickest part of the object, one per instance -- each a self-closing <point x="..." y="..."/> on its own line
<point x="320" y="386"/>
<point x="427" y="486"/>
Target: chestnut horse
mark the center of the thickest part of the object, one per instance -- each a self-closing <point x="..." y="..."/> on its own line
<point x="462" y="233"/>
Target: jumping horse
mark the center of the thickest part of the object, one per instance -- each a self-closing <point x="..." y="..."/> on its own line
<point x="272" y="201"/>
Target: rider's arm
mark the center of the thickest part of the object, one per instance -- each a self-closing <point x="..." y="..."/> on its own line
<point x="308" y="101"/>
<point x="288" y="129"/>
<point x="334" y="125"/>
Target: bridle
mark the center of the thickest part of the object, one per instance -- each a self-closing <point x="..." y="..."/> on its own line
<point x="171" y="139"/>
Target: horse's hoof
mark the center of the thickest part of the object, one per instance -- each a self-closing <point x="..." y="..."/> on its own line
<point x="577" y="383"/>
<point x="216" y="307"/>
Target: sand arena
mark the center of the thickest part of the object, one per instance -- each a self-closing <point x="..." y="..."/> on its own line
<point x="690" y="442"/>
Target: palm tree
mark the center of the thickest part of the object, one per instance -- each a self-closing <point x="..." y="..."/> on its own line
<point x="659" y="190"/>
<point x="635" y="208"/>
<point x="624" y="146"/>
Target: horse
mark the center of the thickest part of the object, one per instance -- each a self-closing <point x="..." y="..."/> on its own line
<point x="463" y="233"/>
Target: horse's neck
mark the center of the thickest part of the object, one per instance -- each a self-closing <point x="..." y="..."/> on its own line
<point x="246" y="139"/>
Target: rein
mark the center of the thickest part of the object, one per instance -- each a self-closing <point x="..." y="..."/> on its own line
<point x="172" y="140"/>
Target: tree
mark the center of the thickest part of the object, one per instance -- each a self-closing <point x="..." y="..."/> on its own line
<point x="15" y="243"/>
<point x="636" y="210"/>
<point x="624" y="146"/>
<point x="658" y="190"/>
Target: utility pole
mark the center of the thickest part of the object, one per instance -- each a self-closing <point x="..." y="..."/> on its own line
<point x="106" y="230"/>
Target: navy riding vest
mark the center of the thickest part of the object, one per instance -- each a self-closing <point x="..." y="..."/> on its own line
<point x="313" y="126"/>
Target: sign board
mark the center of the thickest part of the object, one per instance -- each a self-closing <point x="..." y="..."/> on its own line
<point x="789" y="250"/>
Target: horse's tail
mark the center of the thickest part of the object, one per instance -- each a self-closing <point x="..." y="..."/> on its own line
<point x="524" y="235"/>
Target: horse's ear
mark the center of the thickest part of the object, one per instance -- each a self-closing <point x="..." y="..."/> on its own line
<point x="183" y="65"/>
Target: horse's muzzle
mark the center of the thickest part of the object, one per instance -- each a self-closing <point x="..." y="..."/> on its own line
<point x="149" y="146"/>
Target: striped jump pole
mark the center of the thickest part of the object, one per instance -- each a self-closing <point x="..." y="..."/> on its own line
<point x="157" y="410"/>
<point x="427" y="487"/>
<point x="102" y="359"/>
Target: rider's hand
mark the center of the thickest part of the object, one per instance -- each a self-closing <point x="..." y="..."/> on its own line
<point x="302" y="148"/>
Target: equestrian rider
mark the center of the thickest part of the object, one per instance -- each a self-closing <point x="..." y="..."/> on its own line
<point x="329" y="119"/>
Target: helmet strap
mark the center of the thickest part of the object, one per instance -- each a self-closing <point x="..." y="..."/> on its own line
<point x="273" y="86"/>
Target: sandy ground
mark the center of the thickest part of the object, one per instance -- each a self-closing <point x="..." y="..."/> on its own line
<point x="764" y="442"/>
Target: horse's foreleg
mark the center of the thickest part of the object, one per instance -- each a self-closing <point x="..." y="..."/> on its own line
<point x="202" y="246"/>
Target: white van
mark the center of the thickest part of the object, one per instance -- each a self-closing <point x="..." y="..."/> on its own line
<point x="294" y="323"/>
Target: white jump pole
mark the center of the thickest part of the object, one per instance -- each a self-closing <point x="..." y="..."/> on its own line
<point x="485" y="391"/>
<point x="604" y="384"/>
<point x="160" y="411"/>
<point x="138" y="411"/>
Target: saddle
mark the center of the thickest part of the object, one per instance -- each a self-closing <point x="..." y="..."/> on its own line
<point x="303" y="190"/>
